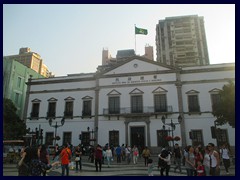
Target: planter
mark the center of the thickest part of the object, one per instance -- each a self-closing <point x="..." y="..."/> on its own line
<point x="177" y="138"/>
<point x="169" y="138"/>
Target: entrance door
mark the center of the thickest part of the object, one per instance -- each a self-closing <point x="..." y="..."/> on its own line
<point x="138" y="136"/>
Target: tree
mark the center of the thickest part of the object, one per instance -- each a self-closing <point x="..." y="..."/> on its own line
<point x="13" y="126"/>
<point x="225" y="109"/>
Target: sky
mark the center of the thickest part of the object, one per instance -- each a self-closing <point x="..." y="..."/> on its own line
<point x="70" y="38"/>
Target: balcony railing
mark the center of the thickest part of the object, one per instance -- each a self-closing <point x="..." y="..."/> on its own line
<point x="51" y="114"/>
<point x="34" y="114"/>
<point x="128" y="110"/>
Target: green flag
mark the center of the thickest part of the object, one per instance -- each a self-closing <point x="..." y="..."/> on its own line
<point x="141" y="31"/>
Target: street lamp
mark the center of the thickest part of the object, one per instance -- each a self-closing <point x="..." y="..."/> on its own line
<point x="172" y="125"/>
<point x="56" y="126"/>
<point x="92" y="137"/>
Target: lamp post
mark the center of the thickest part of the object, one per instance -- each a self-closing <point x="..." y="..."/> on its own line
<point x="56" y="126"/>
<point x="92" y="137"/>
<point x="172" y="125"/>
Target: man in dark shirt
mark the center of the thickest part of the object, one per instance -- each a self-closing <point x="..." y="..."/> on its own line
<point x="177" y="153"/>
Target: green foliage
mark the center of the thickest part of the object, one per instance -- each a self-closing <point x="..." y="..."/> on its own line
<point x="13" y="126"/>
<point x="225" y="110"/>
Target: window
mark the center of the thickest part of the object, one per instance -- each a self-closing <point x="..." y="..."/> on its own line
<point x="51" y="109"/>
<point x="49" y="138"/>
<point x="68" y="109"/>
<point x="160" y="103"/>
<point x="67" y="138"/>
<point x="114" y="105"/>
<point x="114" y="138"/>
<point x="193" y="105"/>
<point x="221" y="136"/>
<point x="87" y="108"/>
<point x="85" y="138"/>
<point x="35" y="110"/>
<point x="16" y="98"/>
<point x="197" y="138"/>
<point x="161" y="138"/>
<point x="215" y="100"/>
<point x="19" y="80"/>
<point x="137" y="104"/>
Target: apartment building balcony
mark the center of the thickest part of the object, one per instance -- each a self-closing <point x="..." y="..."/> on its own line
<point x="129" y="111"/>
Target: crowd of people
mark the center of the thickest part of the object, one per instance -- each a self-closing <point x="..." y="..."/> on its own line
<point x="198" y="161"/>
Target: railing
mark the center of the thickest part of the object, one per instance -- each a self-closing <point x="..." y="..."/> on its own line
<point x="51" y="114"/>
<point x="129" y="110"/>
<point x="34" y="114"/>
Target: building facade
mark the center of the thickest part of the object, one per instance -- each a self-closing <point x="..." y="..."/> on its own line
<point x="32" y="60"/>
<point x="15" y="75"/>
<point x="181" y="41"/>
<point x="136" y="102"/>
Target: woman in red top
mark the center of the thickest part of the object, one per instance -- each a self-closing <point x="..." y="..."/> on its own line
<point x="65" y="159"/>
<point x="198" y="157"/>
<point x="98" y="157"/>
<point x="200" y="169"/>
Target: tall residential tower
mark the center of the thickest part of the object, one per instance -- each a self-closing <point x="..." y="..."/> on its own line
<point x="181" y="41"/>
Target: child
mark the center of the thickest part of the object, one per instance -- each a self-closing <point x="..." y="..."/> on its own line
<point x="200" y="169"/>
<point x="150" y="167"/>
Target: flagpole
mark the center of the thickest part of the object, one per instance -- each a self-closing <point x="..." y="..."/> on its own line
<point x="135" y="37"/>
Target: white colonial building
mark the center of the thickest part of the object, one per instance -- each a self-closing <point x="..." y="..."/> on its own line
<point x="128" y="104"/>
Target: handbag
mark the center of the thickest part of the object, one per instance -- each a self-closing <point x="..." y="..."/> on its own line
<point x="77" y="159"/>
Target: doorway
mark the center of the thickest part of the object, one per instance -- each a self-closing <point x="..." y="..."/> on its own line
<point x="138" y="136"/>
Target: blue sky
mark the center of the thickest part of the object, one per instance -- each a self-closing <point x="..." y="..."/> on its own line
<point x="70" y="38"/>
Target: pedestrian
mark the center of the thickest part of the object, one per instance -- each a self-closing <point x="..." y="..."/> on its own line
<point x="118" y="153"/>
<point x="24" y="163"/>
<point x="198" y="157"/>
<point x="30" y="165"/>
<point x="128" y="154"/>
<point x="44" y="157"/>
<point x="214" y="160"/>
<point x="164" y="162"/>
<point x="206" y="162"/>
<point x="109" y="156"/>
<point x="78" y="159"/>
<point x="200" y="169"/>
<point x="65" y="157"/>
<point x="123" y="152"/>
<point x="135" y="154"/>
<point x="98" y="158"/>
<point x="146" y="155"/>
<point x="190" y="161"/>
<point x="150" y="167"/>
<point x="177" y="154"/>
<point x="224" y="152"/>
<point x="56" y="152"/>
<point x="91" y="154"/>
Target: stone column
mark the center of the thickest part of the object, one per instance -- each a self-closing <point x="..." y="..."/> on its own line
<point x="96" y="129"/>
<point x="180" y="107"/>
<point x="148" y="133"/>
<point x="126" y="131"/>
<point x="27" y="99"/>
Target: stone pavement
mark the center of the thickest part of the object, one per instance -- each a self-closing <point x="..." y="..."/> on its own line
<point x="115" y="169"/>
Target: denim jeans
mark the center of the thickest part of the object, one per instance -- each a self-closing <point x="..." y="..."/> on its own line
<point x="78" y="163"/>
<point x="65" y="167"/>
<point x="190" y="172"/>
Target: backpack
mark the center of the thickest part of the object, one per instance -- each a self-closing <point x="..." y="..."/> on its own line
<point x="162" y="163"/>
